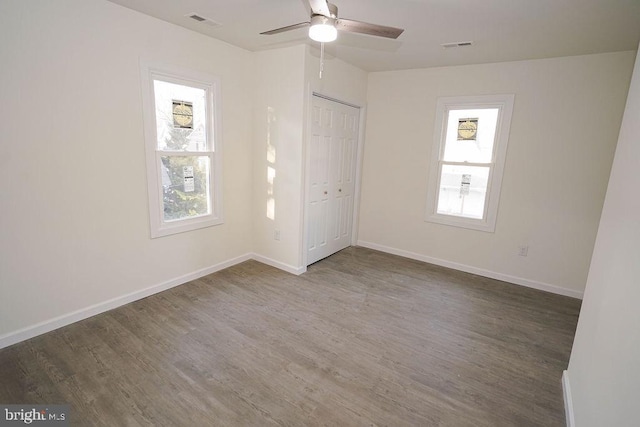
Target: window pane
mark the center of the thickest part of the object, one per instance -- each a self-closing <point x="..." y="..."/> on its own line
<point x="470" y="135"/>
<point x="185" y="185"/>
<point x="180" y="117"/>
<point x="463" y="191"/>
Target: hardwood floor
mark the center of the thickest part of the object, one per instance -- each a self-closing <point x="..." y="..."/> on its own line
<point x="362" y="339"/>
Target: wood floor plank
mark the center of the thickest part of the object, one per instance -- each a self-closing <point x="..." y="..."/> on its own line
<point x="362" y="339"/>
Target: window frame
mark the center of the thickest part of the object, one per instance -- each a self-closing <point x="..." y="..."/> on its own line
<point x="150" y="72"/>
<point x="504" y="104"/>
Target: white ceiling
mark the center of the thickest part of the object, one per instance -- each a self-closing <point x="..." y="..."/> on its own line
<point x="502" y="30"/>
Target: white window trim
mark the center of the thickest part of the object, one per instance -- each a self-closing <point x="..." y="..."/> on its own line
<point x="504" y="103"/>
<point x="211" y="84"/>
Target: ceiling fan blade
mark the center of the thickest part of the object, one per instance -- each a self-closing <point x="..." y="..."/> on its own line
<point x="287" y="28"/>
<point x="366" y="28"/>
<point x="319" y="7"/>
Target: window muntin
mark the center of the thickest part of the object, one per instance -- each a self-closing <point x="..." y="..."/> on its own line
<point x="467" y="160"/>
<point x="182" y="144"/>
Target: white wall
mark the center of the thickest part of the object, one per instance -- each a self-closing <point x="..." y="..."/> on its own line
<point x="565" y="122"/>
<point x="340" y="80"/>
<point x="278" y="143"/>
<point x="74" y="224"/>
<point x="603" y="372"/>
<point x="285" y="79"/>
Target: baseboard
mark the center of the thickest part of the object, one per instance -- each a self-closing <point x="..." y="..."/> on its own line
<point x="84" y="313"/>
<point x="568" y="401"/>
<point x="474" y="270"/>
<point x="279" y="265"/>
<point x="66" y="319"/>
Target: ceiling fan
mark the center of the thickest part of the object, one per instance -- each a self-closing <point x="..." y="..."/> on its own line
<point x="324" y="24"/>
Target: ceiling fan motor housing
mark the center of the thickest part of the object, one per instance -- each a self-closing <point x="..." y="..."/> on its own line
<point x="333" y="13"/>
<point x="333" y="10"/>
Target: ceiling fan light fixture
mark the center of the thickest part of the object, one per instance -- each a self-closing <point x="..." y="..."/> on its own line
<point x="322" y="29"/>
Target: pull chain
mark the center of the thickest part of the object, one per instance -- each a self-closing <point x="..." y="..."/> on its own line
<point x="321" y="59"/>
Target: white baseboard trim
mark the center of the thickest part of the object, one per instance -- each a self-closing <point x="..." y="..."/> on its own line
<point x="75" y="316"/>
<point x="474" y="270"/>
<point x="84" y="313"/>
<point x="568" y="401"/>
<point x="279" y="265"/>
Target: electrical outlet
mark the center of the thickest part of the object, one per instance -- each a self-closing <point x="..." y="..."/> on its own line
<point x="276" y="234"/>
<point x="523" y="250"/>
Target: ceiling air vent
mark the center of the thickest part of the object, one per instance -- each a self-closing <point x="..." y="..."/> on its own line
<point x="456" y="44"/>
<point x="203" y="20"/>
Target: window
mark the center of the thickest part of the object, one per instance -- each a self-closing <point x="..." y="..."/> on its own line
<point x="182" y="137"/>
<point x="469" y="150"/>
